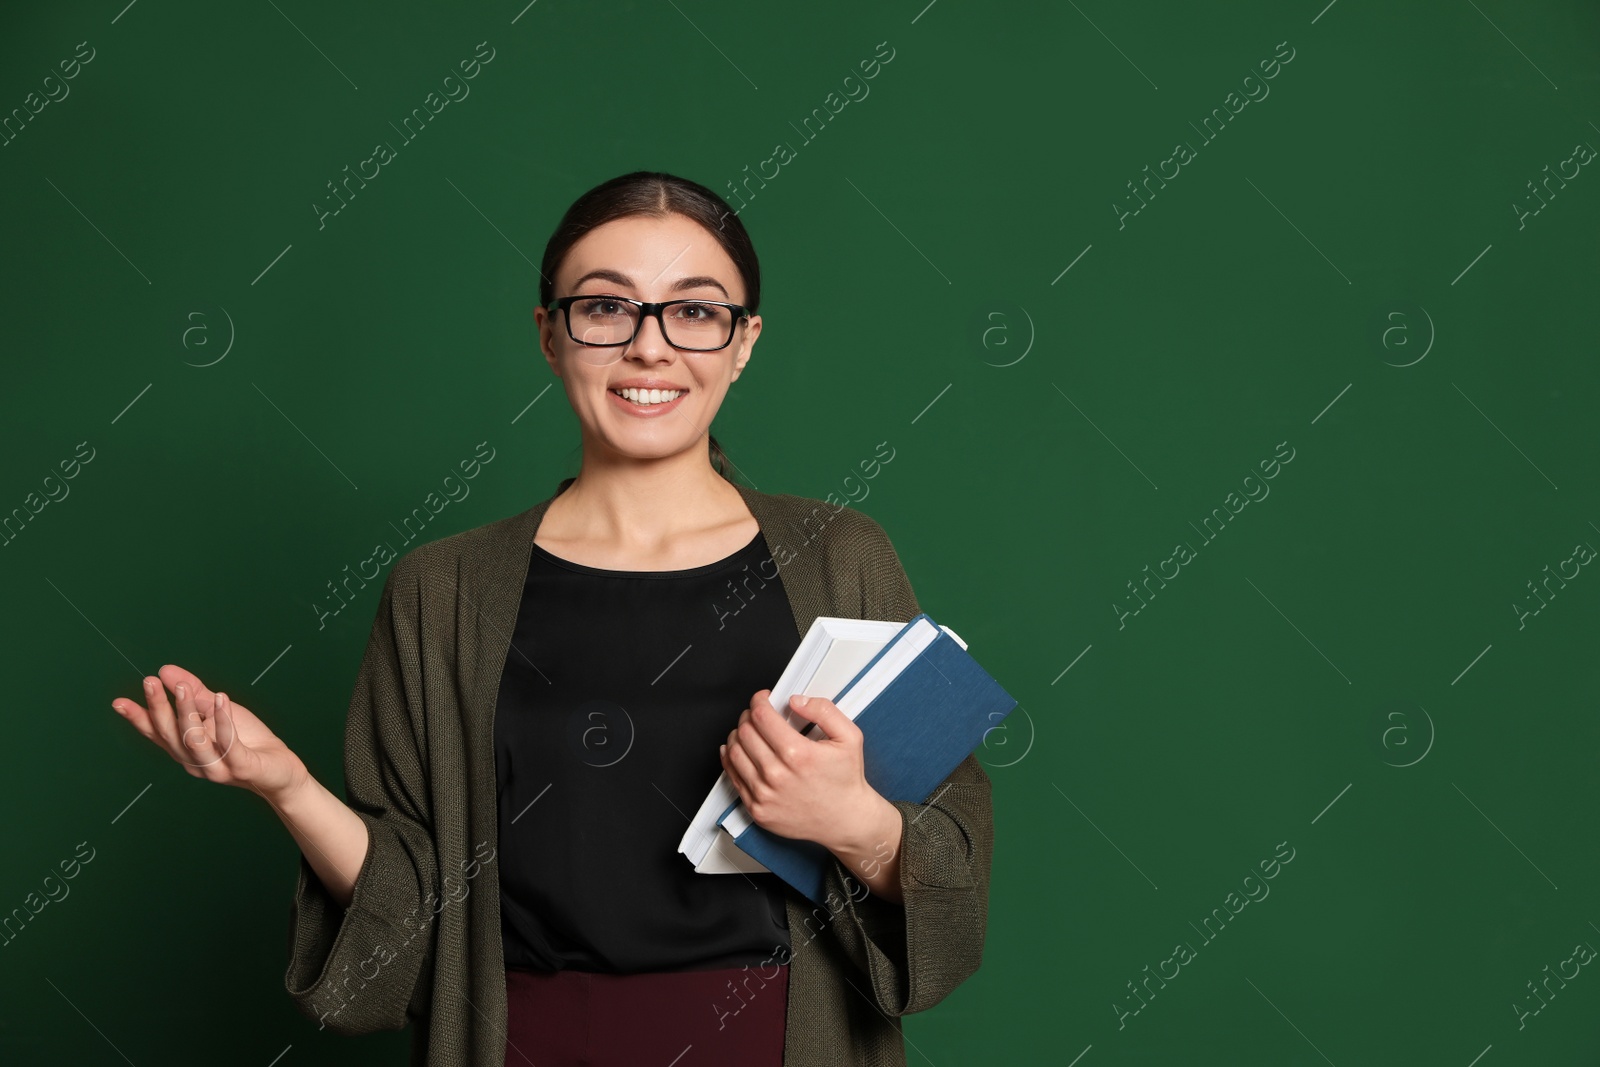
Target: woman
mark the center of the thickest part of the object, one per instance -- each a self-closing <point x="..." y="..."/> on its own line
<point x="545" y="700"/>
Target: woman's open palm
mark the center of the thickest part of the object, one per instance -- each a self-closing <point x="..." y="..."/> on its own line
<point x="211" y="736"/>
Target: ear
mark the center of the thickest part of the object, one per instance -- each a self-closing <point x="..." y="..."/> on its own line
<point x="752" y="330"/>
<point x="543" y="322"/>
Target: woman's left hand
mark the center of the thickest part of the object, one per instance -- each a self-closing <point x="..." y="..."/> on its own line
<point x="811" y="788"/>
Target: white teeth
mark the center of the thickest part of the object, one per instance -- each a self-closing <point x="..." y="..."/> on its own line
<point x="649" y="396"/>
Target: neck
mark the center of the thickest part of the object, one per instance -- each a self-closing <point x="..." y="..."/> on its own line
<point x="622" y="500"/>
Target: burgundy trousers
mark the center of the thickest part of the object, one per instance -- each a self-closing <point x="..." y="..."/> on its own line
<point x="708" y="1018"/>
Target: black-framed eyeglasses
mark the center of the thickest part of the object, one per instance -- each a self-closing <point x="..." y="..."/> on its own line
<point x="601" y="320"/>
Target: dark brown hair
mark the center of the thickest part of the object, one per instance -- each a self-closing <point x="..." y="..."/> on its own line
<point x="657" y="195"/>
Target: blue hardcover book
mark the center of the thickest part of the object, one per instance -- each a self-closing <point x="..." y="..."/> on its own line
<point x="923" y="705"/>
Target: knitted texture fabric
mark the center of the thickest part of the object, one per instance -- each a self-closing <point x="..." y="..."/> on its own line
<point x="420" y="942"/>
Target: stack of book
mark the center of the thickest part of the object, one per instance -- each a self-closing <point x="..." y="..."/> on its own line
<point x="923" y="705"/>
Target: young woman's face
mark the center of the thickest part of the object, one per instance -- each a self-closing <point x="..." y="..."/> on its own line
<point x="652" y="260"/>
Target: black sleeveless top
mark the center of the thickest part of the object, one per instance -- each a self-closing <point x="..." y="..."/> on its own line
<point x="617" y="690"/>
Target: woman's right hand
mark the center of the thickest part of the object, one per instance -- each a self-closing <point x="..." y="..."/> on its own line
<point x="213" y="737"/>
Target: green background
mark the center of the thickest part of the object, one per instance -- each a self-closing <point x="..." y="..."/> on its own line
<point x="1342" y="271"/>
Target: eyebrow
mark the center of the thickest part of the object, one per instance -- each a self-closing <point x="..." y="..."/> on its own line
<point x="619" y="278"/>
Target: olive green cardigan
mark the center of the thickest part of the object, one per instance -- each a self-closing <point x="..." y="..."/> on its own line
<point x="420" y="942"/>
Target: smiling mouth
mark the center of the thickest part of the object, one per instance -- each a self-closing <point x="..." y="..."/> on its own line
<point x="649" y="397"/>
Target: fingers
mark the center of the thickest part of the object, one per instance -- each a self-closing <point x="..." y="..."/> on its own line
<point x="222" y="728"/>
<point x="197" y="728"/>
<point x="830" y="721"/>
<point x="163" y="720"/>
<point x="754" y="759"/>
<point x="137" y="717"/>
<point x="172" y="675"/>
<point x="756" y="725"/>
<point x="737" y="764"/>
<point x="195" y="748"/>
<point x="733" y="775"/>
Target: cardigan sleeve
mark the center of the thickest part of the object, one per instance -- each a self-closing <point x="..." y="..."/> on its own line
<point x="914" y="954"/>
<point x="365" y="968"/>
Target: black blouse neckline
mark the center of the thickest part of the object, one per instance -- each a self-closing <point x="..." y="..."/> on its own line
<point x="689" y="572"/>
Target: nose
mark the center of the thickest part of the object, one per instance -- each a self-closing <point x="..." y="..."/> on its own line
<point x="651" y="341"/>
